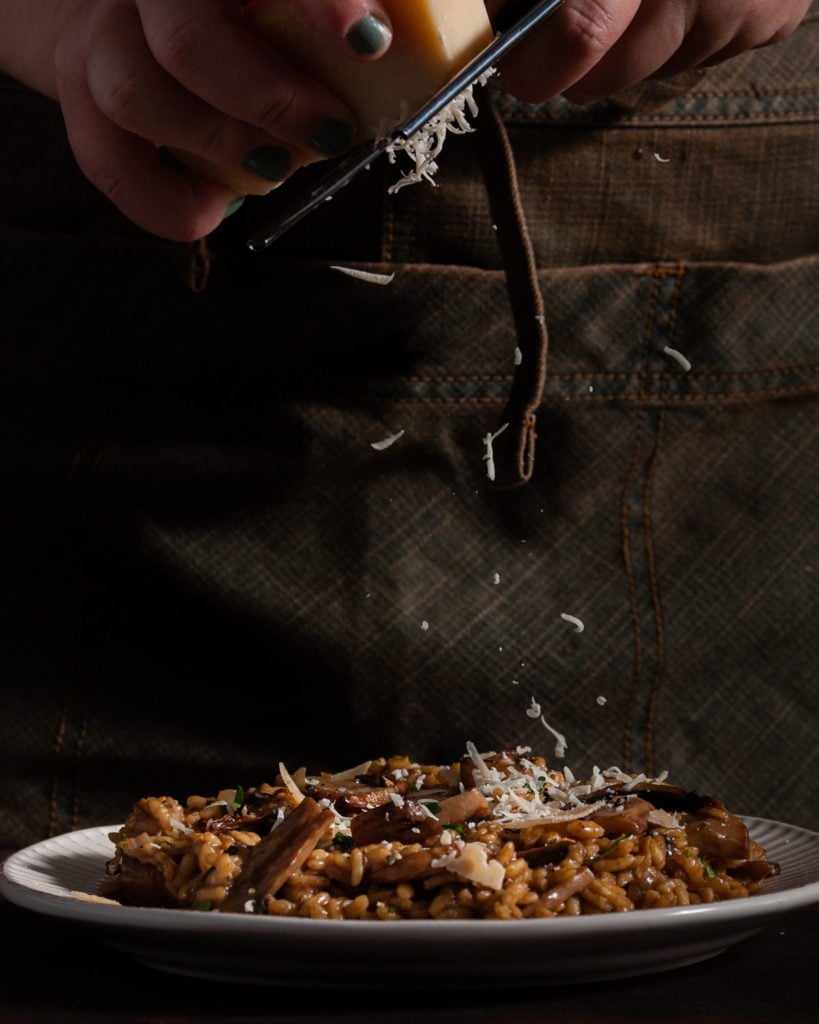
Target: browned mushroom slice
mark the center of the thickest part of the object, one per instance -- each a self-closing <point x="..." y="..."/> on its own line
<point x="137" y="884"/>
<point x="268" y="865"/>
<point x="353" y="797"/>
<point x="553" y="853"/>
<point x="405" y="822"/>
<point x="409" y="867"/>
<point x="631" y="816"/>
<point x="723" y="838"/>
<point x="666" y="797"/>
<point x="554" y="898"/>
<point x="463" y="806"/>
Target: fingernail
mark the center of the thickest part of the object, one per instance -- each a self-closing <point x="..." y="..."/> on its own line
<point x="369" y="35"/>
<point x="269" y="162"/>
<point x="333" y="137"/>
<point x="233" y="206"/>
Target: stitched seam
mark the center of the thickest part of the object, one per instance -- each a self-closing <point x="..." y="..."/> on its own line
<point x="593" y="375"/>
<point x="637" y="666"/>
<point x="79" y="750"/>
<point x="690" y="118"/>
<point x="59" y="737"/>
<point x="651" y="558"/>
<point x="646" y="398"/>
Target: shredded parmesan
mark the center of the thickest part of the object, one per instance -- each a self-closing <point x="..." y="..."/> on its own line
<point x="577" y="623"/>
<point x="366" y="275"/>
<point x="518" y="357"/>
<point x="662" y="159"/>
<point x="425" y="146"/>
<point x="471" y="861"/>
<point x="560" y="739"/>
<point x="287" y="779"/>
<point x="381" y="446"/>
<point x="489" y="456"/>
<point x="678" y="356"/>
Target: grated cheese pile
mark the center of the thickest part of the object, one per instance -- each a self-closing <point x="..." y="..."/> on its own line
<point x="425" y="146"/>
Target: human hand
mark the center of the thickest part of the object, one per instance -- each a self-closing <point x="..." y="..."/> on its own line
<point x="136" y="78"/>
<point x="590" y="49"/>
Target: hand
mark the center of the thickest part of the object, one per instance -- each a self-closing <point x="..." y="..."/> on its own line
<point x="590" y="49"/>
<point x="138" y="78"/>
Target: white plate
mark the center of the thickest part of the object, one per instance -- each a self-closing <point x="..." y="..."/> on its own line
<point x="48" y="877"/>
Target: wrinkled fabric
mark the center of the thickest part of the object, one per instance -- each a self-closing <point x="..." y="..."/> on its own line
<point x="208" y="568"/>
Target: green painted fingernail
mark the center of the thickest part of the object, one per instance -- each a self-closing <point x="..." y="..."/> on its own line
<point x="368" y="36"/>
<point x="333" y="137"/>
<point x="270" y="162"/>
<point x="233" y="206"/>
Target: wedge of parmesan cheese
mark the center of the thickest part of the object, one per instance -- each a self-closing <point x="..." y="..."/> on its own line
<point x="432" y="41"/>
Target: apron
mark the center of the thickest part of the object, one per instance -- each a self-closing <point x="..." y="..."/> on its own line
<point x="553" y="486"/>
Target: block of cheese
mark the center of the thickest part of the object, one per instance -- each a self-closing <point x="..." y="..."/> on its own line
<point x="432" y="41"/>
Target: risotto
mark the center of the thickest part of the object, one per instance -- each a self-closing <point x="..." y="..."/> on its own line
<point x="492" y="836"/>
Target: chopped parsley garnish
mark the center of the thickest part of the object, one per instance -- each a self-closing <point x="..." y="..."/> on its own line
<point x="343" y="841"/>
<point x="613" y="846"/>
<point x="432" y="806"/>
<point x="460" y="829"/>
<point x="239" y="798"/>
<point x="206" y="905"/>
<point x="709" y="871"/>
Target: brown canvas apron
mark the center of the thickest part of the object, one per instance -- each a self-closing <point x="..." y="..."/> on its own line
<point x="208" y="567"/>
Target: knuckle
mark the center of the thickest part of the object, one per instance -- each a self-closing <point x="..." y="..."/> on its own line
<point x="122" y="99"/>
<point x="276" y="107"/>
<point x="181" y="45"/>
<point x="587" y="29"/>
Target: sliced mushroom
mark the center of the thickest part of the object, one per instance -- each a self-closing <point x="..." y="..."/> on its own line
<point x="722" y="838"/>
<point x="462" y="807"/>
<point x="630" y="816"/>
<point x="406" y="822"/>
<point x="554" y="898"/>
<point x="408" y="867"/>
<point x="279" y="855"/>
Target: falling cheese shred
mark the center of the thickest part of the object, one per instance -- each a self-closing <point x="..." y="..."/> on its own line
<point x="369" y="276"/>
<point x="387" y="442"/>
<point x="489" y="454"/>
<point x="678" y="357"/>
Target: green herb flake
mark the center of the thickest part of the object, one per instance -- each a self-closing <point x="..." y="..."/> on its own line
<point x="205" y="905"/>
<point x="709" y="871"/>
<point x="460" y="829"/>
<point x="613" y="846"/>
<point x="343" y="841"/>
<point x="432" y="806"/>
<point x="239" y="798"/>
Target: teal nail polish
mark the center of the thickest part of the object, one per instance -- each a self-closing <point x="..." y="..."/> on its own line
<point x="270" y="162"/>
<point x="368" y="36"/>
<point x="233" y="206"/>
<point x="333" y="137"/>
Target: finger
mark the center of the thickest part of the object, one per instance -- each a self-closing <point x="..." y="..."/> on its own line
<point x="130" y="172"/>
<point x="654" y="35"/>
<point x="566" y="47"/>
<point x="254" y="84"/>
<point x="135" y="93"/>
<point x="719" y="36"/>
<point x="361" y="28"/>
